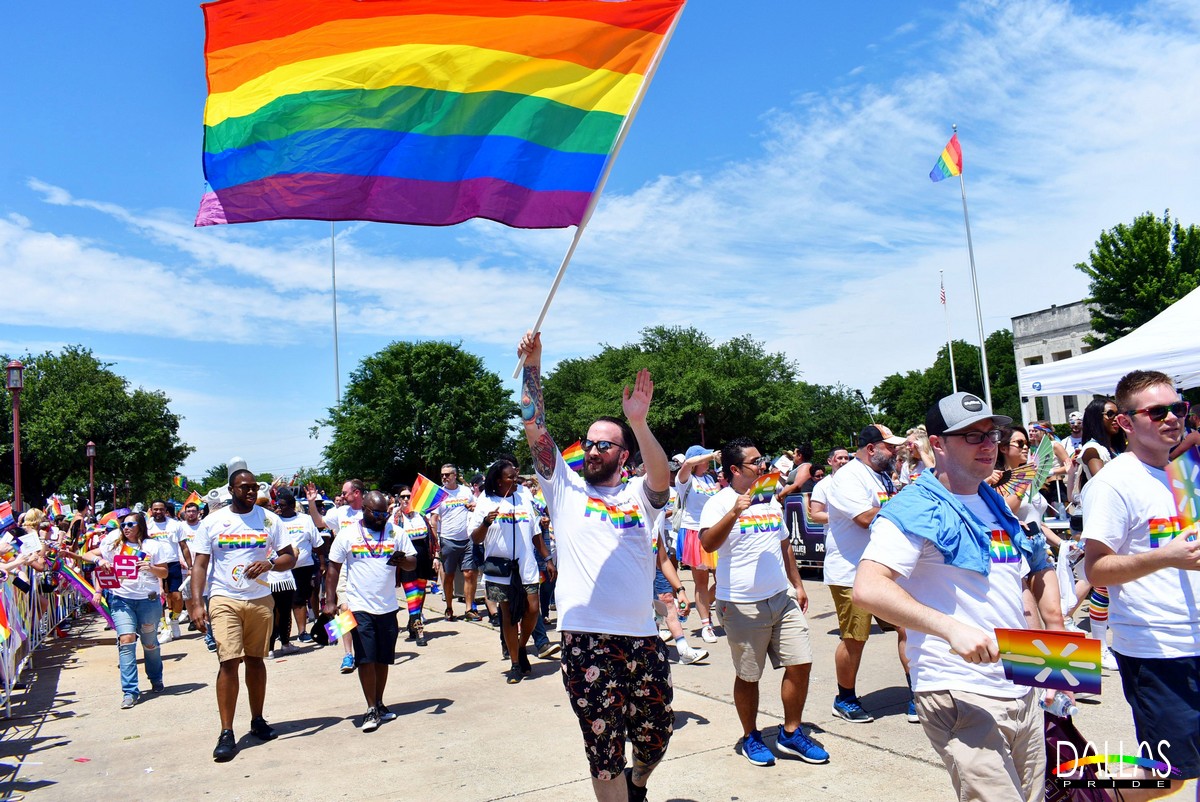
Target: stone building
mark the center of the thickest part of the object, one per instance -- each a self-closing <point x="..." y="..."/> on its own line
<point x="1050" y="335"/>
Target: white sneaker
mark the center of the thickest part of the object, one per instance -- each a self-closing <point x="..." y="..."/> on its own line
<point x="175" y="631"/>
<point x="1070" y="626"/>
<point x="689" y="655"/>
<point x="165" y="635"/>
<point x="1108" y="660"/>
<point x="183" y="616"/>
<point x="707" y="634"/>
<point x="665" y="635"/>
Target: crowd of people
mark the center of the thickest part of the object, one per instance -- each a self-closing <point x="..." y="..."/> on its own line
<point x="925" y="537"/>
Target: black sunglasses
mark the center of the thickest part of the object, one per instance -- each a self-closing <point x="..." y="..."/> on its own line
<point x="406" y="495"/>
<point x="601" y="445"/>
<point x="1158" y="412"/>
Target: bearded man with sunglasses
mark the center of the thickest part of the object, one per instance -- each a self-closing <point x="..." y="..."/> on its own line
<point x="1137" y="544"/>
<point x="614" y="665"/>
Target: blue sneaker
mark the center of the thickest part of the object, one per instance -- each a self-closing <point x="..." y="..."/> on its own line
<point x="851" y="711"/>
<point x="800" y="745"/>
<point x="753" y="749"/>
<point x="210" y="641"/>
<point x="348" y="664"/>
<point x="913" y="718"/>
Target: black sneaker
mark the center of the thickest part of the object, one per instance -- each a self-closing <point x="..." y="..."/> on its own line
<point x="226" y="747"/>
<point x="513" y="675"/>
<point x="371" y="720"/>
<point x="385" y="715"/>
<point x="636" y="794"/>
<point x="421" y="638"/>
<point x="523" y="657"/>
<point x="261" y="730"/>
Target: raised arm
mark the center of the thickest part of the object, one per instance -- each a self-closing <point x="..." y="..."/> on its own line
<point x="636" y="405"/>
<point x="533" y="406"/>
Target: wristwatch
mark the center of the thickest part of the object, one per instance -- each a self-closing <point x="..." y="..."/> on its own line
<point x="678" y="590"/>
<point x="271" y="560"/>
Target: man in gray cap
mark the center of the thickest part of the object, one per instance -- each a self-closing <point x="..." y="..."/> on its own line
<point x="947" y="560"/>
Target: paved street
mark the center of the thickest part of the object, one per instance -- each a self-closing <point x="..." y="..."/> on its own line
<point x="462" y="735"/>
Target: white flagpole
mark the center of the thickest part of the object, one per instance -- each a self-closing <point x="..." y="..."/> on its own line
<point x="987" y="386"/>
<point x="337" y="372"/>
<point x="949" y="342"/>
<point x="612" y="159"/>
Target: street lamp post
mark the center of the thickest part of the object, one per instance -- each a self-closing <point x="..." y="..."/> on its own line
<point x="91" y="455"/>
<point x="701" y="420"/>
<point x="14" y="380"/>
<point x="128" y="495"/>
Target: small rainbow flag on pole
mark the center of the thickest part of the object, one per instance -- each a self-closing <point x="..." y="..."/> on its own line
<point x="76" y="580"/>
<point x="573" y="456"/>
<point x="426" y="495"/>
<point x="949" y="164"/>
<point x="340" y="625"/>
<point x="179" y="482"/>
<point x="54" y="508"/>
<point x="194" y="498"/>
<point x="1050" y="659"/>
<point x="425" y="112"/>
<point x="764" y="488"/>
<point x="1183" y="475"/>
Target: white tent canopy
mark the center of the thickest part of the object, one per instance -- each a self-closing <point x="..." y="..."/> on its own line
<point x="1169" y="343"/>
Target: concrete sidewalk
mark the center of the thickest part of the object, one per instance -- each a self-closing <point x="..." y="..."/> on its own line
<point x="463" y="734"/>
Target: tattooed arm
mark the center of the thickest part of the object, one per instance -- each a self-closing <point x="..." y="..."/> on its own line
<point x="533" y="407"/>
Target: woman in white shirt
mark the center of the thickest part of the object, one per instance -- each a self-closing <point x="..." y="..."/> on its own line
<point x="141" y="565"/>
<point x="507" y="524"/>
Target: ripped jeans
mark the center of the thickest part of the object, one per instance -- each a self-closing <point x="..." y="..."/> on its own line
<point x="137" y="617"/>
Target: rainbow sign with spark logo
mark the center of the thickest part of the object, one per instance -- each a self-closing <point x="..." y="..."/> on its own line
<point x="1183" y="477"/>
<point x="1050" y="659"/>
<point x="340" y="625"/>
<point x="764" y="488"/>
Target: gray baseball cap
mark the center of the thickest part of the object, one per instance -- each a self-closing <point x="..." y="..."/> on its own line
<point x="958" y="411"/>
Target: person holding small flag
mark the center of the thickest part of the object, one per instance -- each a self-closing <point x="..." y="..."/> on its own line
<point x="371" y="552"/>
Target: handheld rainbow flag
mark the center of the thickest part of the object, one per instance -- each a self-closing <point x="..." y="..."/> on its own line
<point x="573" y="455"/>
<point x="426" y="112"/>
<point x="1050" y="659"/>
<point x="179" y="482"/>
<point x="426" y="495"/>
<point x="340" y="625"/>
<point x="949" y="164"/>
<point x="764" y="488"/>
<point x="54" y="508"/>
<point x="76" y="580"/>
<point x="194" y="498"/>
<point x="6" y="517"/>
<point x="1183" y="475"/>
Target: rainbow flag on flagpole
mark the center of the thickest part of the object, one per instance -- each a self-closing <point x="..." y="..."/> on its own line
<point x="573" y="455"/>
<point x="949" y="164"/>
<point x="426" y="494"/>
<point x="426" y="112"/>
<point x="340" y="625"/>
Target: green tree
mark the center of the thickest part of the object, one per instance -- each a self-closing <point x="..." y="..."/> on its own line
<point x="413" y="406"/>
<point x="903" y="399"/>
<point x="1137" y="271"/>
<point x="71" y="398"/>
<point x="738" y="386"/>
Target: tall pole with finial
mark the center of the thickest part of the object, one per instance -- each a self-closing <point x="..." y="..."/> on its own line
<point x="987" y="384"/>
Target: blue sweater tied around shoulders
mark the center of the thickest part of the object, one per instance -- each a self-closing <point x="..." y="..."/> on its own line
<point x="927" y="509"/>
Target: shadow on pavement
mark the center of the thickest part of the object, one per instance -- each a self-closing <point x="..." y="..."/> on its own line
<point x="682" y="717"/>
<point x="461" y="667"/>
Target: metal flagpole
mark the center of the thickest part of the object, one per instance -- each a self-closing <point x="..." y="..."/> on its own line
<point x="987" y="385"/>
<point x="337" y="372"/>
<point x="612" y="159"/>
<point x="949" y="342"/>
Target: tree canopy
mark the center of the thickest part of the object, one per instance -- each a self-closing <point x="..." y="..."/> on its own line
<point x="904" y="398"/>
<point x="71" y="398"/>
<point x="1138" y="270"/>
<point x="741" y="389"/>
<point x="413" y="406"/>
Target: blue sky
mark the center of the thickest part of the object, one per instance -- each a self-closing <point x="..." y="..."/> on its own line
<point x="775" y="183"/>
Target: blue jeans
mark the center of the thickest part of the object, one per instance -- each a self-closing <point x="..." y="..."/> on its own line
<point x="137" y="617"/>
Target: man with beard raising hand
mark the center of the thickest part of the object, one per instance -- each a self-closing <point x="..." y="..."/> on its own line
<point x="615" y="667"/>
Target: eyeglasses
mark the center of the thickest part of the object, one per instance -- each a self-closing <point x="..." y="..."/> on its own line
<point x="601" y="445"/>
<point x="759" y="462"/>
<point x="1018" y="444"/>
<point x="975" y="438"/>
<point x="448" y="475"/>
<point x="406" y="495"/>
<point x="1112" y="413"/>
<point x="1158" y="412"/>
<point x="369" y="511"/>
<point x="244" y="488"/>
<point x="129" y="524"/>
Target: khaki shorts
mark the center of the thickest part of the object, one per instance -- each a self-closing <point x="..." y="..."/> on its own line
<point x="242" y="628"/>
<point x="773" y="627"/>
<point x="854" y="621"/>
<point x="994" y="749"/>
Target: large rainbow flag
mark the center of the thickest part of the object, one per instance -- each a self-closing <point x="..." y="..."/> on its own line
<point x="427" y="112"/>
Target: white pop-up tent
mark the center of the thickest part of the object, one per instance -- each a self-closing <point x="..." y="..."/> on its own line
<point x="1170" y="343"/>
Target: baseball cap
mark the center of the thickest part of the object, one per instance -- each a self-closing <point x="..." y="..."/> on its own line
<point x="234" y="465"/>
<point x="1075" y="417"/>
<point x="878" y="433"/>
<point x="958" y="411"/>
<point x="696" y="451"/>
<point x="675" y="462"/>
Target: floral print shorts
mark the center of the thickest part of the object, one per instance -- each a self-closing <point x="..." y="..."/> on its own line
<point x="620" y="687"/>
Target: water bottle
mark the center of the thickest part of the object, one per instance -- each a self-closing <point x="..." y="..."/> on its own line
<point x="1062" y="706"/>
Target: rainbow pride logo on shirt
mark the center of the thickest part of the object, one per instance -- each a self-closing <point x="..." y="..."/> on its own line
<point x="362" y="550"/>
<point x="1164" y="530"/>
<point x="1002" y="548"/>
<point x="706" y="486"/>
<point x="512" y="517"/>
<point x="882" y="497"/>
<point x="619" y="518"/>
<point x="242" y="540"/>
<point x="452" y="503"/>
<point x="767" y="522"/>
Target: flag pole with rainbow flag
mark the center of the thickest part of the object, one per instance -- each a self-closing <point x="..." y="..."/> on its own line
<point x="950" y="164"/>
